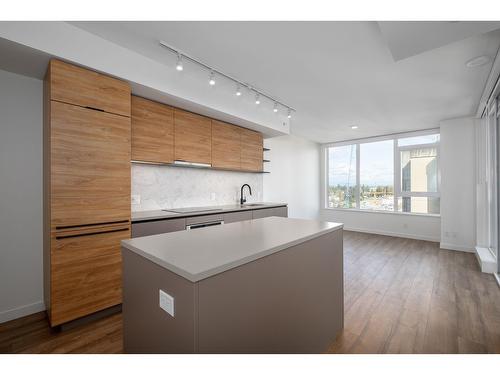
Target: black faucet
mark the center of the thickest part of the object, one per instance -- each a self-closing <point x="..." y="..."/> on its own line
<point x="243" y="200"/>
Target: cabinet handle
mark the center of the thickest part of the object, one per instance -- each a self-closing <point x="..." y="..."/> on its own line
<point x="91" y="234"/>
<point x="83" y="226"/>
<point x="95" y="109"/>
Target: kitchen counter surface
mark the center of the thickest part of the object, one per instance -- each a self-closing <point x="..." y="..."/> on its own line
<point x="211" y="210"/>
<point x="201" y="253"/>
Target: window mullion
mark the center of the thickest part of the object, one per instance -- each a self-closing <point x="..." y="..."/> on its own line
<point x="396" y="174"/>
<point x="358" y="164"/>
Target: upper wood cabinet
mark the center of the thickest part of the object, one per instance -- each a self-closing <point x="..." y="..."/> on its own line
<point x="226" y="145"/>
<point x="86" y="88"/>
<point x="251" y="150"/>
<point x="90" y="166"/>
<point x="192" y="137"/>
<point x="152" y="131"/>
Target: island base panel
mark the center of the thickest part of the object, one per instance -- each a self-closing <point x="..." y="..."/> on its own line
<point x="287" y="302"/>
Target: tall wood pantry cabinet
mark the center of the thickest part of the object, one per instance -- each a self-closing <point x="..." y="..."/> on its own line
<point x="86" y="190"/>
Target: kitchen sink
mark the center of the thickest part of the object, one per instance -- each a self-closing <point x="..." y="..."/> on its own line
<point x="253" y="205"/>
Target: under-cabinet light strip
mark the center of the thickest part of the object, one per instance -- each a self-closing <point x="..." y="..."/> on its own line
<point x="180" y="55"/>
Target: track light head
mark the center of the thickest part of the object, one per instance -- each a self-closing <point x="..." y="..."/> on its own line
<point x="275" y="109"/>
<point x="238" y="90"/>
<point x="211" y="82"/>
<point x="257" y="99"/>
<point x="289" y="113"/>
<point x="179" y="65"/>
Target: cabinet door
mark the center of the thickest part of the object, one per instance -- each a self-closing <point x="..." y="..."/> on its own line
<point x="152" y="131"/>
<point x="233" y="217"/>
<point x="149" y="228"/>
<point x="252" y="150"/>
<point x="192" y="137"/>
<point x="85" y="273"/>
<point x="280" y="211"/>
<point x="86" y="88"/>
<point x="90" y="166"/>
<point x="264" y="212"/>
<point x="226" y="145"/>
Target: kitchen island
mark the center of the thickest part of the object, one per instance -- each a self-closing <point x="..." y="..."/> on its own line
<point x="271" y="285"/>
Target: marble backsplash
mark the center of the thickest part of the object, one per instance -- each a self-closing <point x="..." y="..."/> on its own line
<point x="163" y="187"/>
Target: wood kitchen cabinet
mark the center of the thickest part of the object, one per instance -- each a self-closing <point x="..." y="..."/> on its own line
<point x="251" y="150"/>
<point x="86" y="194"/>
<point x="226" y="145"/>
<point x="192" y="137"/>
<point x="90" y="163"/>
<point x="86" y="88"/>
<point x="86" y="273"/>
<point x="152" y="131"/>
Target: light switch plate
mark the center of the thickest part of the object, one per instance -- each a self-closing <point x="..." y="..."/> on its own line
<point x="167" y="302"/>
<point x="135" y="199"/>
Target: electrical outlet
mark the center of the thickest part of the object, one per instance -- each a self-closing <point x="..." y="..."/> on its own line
<point x="167" y="302"/>
<point x="136" y="199"/>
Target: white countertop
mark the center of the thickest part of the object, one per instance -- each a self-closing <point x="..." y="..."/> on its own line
<point x="201" y="253"/>
<point x="138" y="216"/>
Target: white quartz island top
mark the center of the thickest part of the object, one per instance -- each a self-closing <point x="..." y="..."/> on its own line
<point x="201" y="253"/>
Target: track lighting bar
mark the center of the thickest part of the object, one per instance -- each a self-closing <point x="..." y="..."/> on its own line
<point x="238" y="83"/>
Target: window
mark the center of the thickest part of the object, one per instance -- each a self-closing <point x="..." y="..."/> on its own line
<point x="376" y="176"/>
<point x="398" y="174"/>
<point x="342" y="177"/>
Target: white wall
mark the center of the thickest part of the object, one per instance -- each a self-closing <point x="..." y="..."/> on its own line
<point x="294" y="176"/>
<point x="161" y="187"/>
<point x="21" y="275"/>
<point x="457" y="164"/>
<point x="387" y="223"/>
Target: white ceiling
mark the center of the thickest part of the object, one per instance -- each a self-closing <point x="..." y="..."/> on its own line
<point x="336" y="74"/>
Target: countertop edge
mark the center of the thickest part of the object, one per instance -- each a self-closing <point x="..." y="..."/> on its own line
<point x="169" y="216"/>
<point x="226" y="267"/>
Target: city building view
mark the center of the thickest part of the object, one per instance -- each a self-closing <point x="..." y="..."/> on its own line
<point x="373" y="186"/>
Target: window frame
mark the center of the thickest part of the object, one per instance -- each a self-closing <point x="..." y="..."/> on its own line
<point x="397" y="170"/>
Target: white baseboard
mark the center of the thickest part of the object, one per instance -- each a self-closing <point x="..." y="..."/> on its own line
<point x="497" y="278"/>
<point x="21" y="311"/>
<point x="393" y="234"/>
<point x="486" y="260"/>
<point x="452" y="246"/>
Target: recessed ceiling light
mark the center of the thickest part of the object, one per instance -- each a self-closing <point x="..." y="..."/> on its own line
<point x="477" y="61"/>
<point x="354" y="127"/>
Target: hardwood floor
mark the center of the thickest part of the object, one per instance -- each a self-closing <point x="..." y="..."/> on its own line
<point x="409" y="296"/>
<point x="401" y="296"/>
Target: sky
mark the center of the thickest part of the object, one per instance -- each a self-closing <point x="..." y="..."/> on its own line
<point x="376" y="164"/>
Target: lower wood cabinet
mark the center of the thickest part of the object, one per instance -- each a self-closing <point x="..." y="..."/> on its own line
<point x="86" y="273"/>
